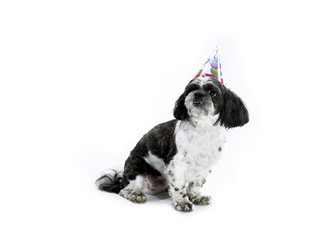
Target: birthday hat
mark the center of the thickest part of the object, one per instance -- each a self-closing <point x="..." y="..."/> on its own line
<point x="212" y="67"/>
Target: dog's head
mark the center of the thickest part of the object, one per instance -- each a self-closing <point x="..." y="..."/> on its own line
<point x="207" y="97"/>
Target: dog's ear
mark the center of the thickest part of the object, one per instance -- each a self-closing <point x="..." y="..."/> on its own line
<point x="180" y="111"/>
<point x="233" y="112"/>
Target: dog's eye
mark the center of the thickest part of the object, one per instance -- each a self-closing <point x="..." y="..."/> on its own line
<point x="212" y="93"/>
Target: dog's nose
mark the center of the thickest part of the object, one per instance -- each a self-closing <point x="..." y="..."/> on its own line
<point x="198" y="98"/>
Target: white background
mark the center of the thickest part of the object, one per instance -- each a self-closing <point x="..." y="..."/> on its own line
<point x="82" y="81"/>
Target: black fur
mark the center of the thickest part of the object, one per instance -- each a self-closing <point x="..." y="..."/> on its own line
<point x="113" y="184"/>
<point x="233" y="112"/>
<point x="160" y="142"/>
<point x="180" y="111"/>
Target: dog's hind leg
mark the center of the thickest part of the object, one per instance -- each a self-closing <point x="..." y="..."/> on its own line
<point x="138" y="179"/>
<point x="134" y="190"/>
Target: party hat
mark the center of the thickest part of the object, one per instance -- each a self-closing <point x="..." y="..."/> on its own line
<point x="212" y="67"/>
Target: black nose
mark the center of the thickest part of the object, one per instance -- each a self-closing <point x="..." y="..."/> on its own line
<point x="198" y="98"/>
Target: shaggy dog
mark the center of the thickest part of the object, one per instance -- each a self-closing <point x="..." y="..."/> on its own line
<point x="178" y="155"/>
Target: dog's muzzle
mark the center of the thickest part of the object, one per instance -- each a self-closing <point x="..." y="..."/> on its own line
<point x="198" y="98"/>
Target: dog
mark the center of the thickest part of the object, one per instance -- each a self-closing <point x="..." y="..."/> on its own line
<point x="178" y="155"/>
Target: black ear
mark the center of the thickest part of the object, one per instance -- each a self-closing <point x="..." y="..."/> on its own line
<point x="233" y="112"/>
<point x="180" y="111"/>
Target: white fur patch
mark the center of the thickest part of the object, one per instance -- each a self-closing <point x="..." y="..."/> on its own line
<point x="155" y="162"/>
<point x="202" y="80"/>
<point x="199" y="146"/>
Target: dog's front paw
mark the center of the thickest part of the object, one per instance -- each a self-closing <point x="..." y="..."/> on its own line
<point x="202" y="200"/>
<point x="184" y="206"/>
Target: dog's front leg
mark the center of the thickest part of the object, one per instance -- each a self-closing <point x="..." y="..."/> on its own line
<point x="178" y="189"/>
<point x="194" y="192"/>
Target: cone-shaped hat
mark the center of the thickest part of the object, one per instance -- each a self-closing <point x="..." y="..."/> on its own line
<point x="212" y="67"/>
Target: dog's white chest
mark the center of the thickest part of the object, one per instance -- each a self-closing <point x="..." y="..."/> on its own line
<point x="199" y="147"/>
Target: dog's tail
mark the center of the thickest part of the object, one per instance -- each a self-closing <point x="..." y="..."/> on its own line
<point x="110" y="181"/>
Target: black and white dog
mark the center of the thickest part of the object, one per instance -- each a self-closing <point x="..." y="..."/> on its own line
<point x="178" y="155"/>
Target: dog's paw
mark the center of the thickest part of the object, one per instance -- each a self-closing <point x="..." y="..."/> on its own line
<point x="138" y="197"/>
<point x="184" y="206"/>
<point x="133" y="196"/>
<point x="202" y="200"/>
